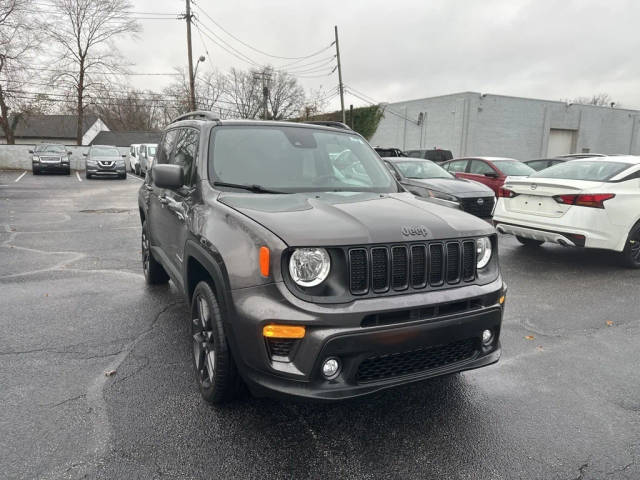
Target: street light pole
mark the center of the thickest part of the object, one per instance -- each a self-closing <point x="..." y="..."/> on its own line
<point x="340" y="85"/>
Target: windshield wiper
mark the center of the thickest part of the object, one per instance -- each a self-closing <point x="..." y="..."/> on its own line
<point x="252" y="188"/>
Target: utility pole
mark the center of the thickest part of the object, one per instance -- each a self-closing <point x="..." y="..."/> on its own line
<point x="265" y="98"/>
<point x="192" y="86"/>
<point x="265" y="77"/>
<point x="340" y="85"/>
<point x="351" y="115"/>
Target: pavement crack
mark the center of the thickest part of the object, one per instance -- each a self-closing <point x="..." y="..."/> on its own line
<point x="581" y="470"/>
<point x="77" y="397"/>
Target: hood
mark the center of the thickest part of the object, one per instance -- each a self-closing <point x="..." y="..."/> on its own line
<point x="348" y="218"/>
<point x="454" y="186"/>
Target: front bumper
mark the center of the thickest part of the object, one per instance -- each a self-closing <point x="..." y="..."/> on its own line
<point x="106" y="172"/>
<point x="61" y="166"/>
<point x="414" y="344"/>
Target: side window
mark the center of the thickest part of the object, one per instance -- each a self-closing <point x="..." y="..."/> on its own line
<point x="480" y="168"/>
<point x="132" y="151"/>
<point x="538" y="164"/>
<point x="165" y="146"/>
<point x="457" y="166"/>
<point x="185" y="152"/>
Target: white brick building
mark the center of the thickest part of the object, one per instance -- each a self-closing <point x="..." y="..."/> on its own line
<point x="471" y="123"/>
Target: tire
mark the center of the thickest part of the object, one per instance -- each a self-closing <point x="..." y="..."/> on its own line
<point x="213" y="362"/>
<point x="68" y="171"/>
<point x="138" y="170"/>
<point x="86" y="175"/>
<point x="154" y="273"/>
<point x="529" y="242"/>
<point x="36" y="171"/>
<point x="124" y="176"/>
<point x="631" y="252"/>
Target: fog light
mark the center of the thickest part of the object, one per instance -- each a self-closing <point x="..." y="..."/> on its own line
<point x="487" y="337"/>
<point x="331" y="368"/>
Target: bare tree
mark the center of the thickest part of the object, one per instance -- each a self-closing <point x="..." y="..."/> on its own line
<point x="244" y="93"/>
<point x="19" y="42"/>
<point x="127" y="110"/>
<point x="285" y="97"/>
<point x="84" y="31"/>
<point x="599" y="99"/>
<point x="209" y="88"/>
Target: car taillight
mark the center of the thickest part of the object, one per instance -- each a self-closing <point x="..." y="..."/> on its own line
<point x="506" y="193"/>
<point x="593" y="200"/>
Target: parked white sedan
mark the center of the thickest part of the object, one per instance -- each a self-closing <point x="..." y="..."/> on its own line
<point x="591" y="202"/>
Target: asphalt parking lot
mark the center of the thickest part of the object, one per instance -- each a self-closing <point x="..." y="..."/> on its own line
<point x="563" y="402"/>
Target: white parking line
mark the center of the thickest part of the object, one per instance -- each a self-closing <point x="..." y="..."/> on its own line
<point x="130" y="175"/>
<point x="23" y="174"/>
<point x="78" y="176"/>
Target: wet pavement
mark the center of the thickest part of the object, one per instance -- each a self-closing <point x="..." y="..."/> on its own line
<point x="563" y="402"/>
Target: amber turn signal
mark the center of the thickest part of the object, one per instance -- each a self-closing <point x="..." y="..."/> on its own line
<point x="501" y="299"/>
<point x="264" y="261"/>
<point x="283" y="331"/>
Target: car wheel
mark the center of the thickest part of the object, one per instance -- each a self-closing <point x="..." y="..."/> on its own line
<point x="36" y="171"/>
<point x="68" y="171"/>
<point x="529" y="242"/>
<point x="631" y="252"/>
<point x="213" y="362"/>
<point x="138" y="170"/>
<point x="86" y="175"/>
<point x="154" y="273"/>
<point x="123" y="176"/>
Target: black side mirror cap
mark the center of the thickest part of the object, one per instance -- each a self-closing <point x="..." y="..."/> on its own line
<point x="491" y="175"/>
<point x="168" y="176"/>
<point x="30" y="151"/>
<point x="85" y="154"/>
<point x="124" y="156"/>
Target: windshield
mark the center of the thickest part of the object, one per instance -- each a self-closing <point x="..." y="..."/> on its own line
<point x="296" y="159"/>
<point x="104" y="152"/>
<point x="595" y="171"/>
<point x="425" y="169"/>
<point x="51" y="148"/>
<point x="513" y="167"/>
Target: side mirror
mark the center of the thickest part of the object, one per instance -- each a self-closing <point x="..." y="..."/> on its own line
<point x="124" y="156"/>
<point x="30" y="151"/>
<point x="85" y="154"/>
<point x="168" y="176"/>
<point x="68" y="153"/>
<point x="491" y="175"/>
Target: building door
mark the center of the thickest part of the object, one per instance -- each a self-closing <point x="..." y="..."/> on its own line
<point x="561" y="142"/>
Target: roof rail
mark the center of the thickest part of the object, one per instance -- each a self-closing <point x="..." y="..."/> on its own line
<point x="329" y="123"/>
<point x="197" y="115"/>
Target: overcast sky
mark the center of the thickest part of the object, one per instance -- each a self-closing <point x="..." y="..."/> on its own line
<point x="406" y="49"/>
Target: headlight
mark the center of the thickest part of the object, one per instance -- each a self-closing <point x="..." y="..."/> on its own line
<point x="309" y="266"/>
<point x="483" y="251"/>
<point x="442" y="196"/>
<point x="35" y="158"/>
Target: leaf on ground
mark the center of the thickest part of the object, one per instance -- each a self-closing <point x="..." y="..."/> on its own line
<point x="539" y="348"/>
<point x="109" y="373"/>
<point x="609" y="323"/>
<point x="529" y="337"/>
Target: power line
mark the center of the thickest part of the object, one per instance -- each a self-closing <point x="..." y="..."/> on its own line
<point x="252" y="47"/>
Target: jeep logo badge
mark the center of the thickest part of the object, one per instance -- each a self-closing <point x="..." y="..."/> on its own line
<point x="415" y="230"/>
<point x="480" y="201"/>
<point x="533" y="186"/>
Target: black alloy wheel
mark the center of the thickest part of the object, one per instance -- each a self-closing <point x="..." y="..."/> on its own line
<point x="154" y="273"/>
<point x="631" y="251"/>
<point x="213" y="362"/>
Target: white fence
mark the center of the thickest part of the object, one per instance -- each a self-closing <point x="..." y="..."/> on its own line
<point x="17" y="157"/>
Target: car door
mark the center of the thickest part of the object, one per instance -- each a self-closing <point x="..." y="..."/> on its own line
<point x="457" y="167"/>
<point x="179" y="203"/>
<point x="160" y="218"/>
<point x="482" y="172"/>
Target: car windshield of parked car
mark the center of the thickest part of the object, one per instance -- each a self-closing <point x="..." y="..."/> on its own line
<point x="513" y="167"/>
<point x="51" y="148"/>
<point x="296" y="159"/>
<point x="104" y="152"/>
<point x="422" y="170"/>
<point x="595" y="171"/>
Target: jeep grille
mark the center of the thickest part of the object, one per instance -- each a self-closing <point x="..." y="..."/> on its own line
<point x="411" y="266"/>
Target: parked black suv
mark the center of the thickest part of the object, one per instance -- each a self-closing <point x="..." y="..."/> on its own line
<point x="309" y="271"/>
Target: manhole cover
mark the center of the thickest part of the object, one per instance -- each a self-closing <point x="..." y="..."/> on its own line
<point x="106" y="210"/>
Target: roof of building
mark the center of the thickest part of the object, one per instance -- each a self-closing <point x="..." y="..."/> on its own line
<point x="52" y="126"/>
<point x="126" y="139"/>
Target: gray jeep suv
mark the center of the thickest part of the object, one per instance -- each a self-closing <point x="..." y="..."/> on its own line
<point x="308" y="275"/>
